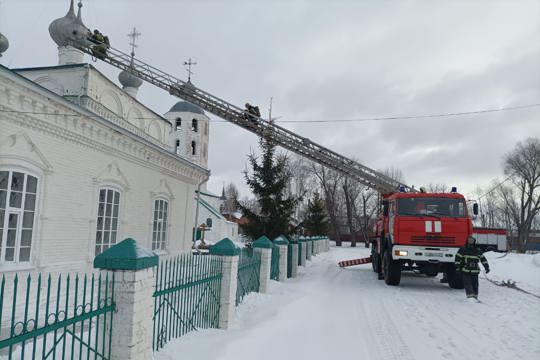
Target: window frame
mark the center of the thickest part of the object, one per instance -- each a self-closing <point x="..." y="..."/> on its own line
<point x="20" y="212"/>
<point x="121" y="193"/>
<point x="164" y="229"/>
<point x="194" y="125"/>
<point x="178" y="124"/>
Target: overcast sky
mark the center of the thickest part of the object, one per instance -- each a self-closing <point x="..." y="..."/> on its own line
<point x="332" y="60"/>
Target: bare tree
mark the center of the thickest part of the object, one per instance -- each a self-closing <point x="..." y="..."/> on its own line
<point x="230" y="203"/>
<point x="351" y="191"/>
<point x="522" y="199"/>
<point x="366" y="210"/>
<point x="438" y="188"/>
<point x="329" y="183"/>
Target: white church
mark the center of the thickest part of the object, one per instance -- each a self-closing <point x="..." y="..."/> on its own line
<point x="84" y="164"/>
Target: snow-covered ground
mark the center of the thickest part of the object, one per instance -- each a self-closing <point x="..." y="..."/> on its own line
<point x="333" y="313"/>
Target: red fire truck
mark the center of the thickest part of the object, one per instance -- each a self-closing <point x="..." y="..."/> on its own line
<point x="422" y="232"/>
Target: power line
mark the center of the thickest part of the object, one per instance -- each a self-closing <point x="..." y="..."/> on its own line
<point x="495" y="187"/>
<point x="406" y="117"/>
<point x="417" y="116"/>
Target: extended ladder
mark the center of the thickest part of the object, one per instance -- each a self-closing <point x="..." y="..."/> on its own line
<point x="259" y="126"/>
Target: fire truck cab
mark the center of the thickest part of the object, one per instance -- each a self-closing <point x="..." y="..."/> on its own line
<point x="420" y="232"/>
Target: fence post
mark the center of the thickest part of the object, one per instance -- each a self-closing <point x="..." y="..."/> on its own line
<point x="309" y="250"/>
<point x="227" y="301"/>
<point x="263" y="245"/>
<point x="303" y="244"/>
<point x="294" y="265"/>
<point x="131" y="327"/>
<point x="283" y="244"/>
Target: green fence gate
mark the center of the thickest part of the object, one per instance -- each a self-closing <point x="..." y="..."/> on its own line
<point x="274" y="265"/>
<point x="186" y="296"/>
<point x="249" y="269"/>
<point x="54" y="317"/>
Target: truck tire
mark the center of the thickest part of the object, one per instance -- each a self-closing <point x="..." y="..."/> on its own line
<point x="391" y="269"/>
<point x="375" y="259"/>
<point x="455" y="280"/>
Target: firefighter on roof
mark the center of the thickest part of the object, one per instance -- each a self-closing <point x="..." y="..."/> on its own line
<point x="467" y="259"/>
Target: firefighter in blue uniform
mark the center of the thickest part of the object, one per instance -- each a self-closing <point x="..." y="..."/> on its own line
<point x="467" y="259"/>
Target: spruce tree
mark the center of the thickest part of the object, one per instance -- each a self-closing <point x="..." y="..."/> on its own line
<point x="268" y="181"/>
<point x="315" y="222"/>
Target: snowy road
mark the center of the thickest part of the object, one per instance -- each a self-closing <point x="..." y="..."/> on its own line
<point x="332" y="313"/>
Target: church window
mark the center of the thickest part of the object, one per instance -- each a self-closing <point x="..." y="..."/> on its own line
<point x="107" y="219"/>
<point x="178" y="124"/>
<point x="206" y="129"/>
<point x="159" y="225"/>
<point x="177" y="148"/>
<point x="194" y="125"/>
<point x="18" y="193"/>
<point x="193" y="148"/>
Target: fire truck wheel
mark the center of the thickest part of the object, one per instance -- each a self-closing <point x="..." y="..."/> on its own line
<point x="391" y="269"/>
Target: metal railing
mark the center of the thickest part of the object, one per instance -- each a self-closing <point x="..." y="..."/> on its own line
<point x="249" y="268"/>
<point x="186" y="296"/>
<point x="54" y="317"/>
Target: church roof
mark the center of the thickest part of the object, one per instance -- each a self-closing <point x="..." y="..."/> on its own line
<point x="184" y="106"/>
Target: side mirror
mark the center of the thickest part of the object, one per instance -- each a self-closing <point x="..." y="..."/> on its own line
<point x="475" y="209"/>
<point x="385" y="208"/>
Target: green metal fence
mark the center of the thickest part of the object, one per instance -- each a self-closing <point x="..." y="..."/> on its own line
<point x="186" y="296"/>
<point x="54" y="317"/>
<point x="249" y="268"/>
<point x="274" y="265"/>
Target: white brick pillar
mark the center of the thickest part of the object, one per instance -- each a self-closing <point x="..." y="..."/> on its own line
<point x="283" y="262"/>
<point x="229" y="280"/>
<point x="303" y="244"/>
<point x="134" y="279"/>
<point x="266" y="262"/>
<point x="294" y="268"/>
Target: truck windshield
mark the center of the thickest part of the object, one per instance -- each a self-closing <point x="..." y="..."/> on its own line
<point x="431" y="206"/>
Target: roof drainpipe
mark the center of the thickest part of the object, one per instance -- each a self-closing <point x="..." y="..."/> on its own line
<point x="197" y="212"/>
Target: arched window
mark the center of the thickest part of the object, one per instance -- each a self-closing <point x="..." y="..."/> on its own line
<point x="193" y="148"/>
<point x="177" y="148"/>
<point x="194" y="125"/>
<point x="107" y="219"/>
<point x="159" y="225"/>
<point x="178" y="124"/>
<point x="18" y="192"/>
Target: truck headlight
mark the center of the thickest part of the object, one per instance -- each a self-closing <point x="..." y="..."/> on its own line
<point x="401" y="252"/>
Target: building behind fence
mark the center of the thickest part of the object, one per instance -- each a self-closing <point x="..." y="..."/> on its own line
<point x="134" y="305"/>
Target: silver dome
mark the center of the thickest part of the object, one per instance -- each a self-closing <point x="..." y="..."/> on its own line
<point x="4" y="44"/>
<point x="129" y="80"/>
<point x="68" y="28"/>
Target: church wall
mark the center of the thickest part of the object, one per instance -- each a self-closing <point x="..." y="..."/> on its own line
<point x="73" y="157"/>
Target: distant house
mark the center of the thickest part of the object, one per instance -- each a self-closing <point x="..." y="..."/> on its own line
<point x="217" y="226"/>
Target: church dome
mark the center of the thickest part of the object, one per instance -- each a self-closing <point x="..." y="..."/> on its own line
<point x="129" y="80"/>
<point x="69" y="27"/>
<point x="4" y="44"/>
<point x="184" y="106"/>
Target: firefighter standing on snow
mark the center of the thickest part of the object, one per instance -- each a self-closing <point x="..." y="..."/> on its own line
<point x="467" y="259"/>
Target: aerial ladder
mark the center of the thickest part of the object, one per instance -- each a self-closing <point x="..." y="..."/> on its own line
<point x="433" y="250"/>
<point x="241" y="117"/>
